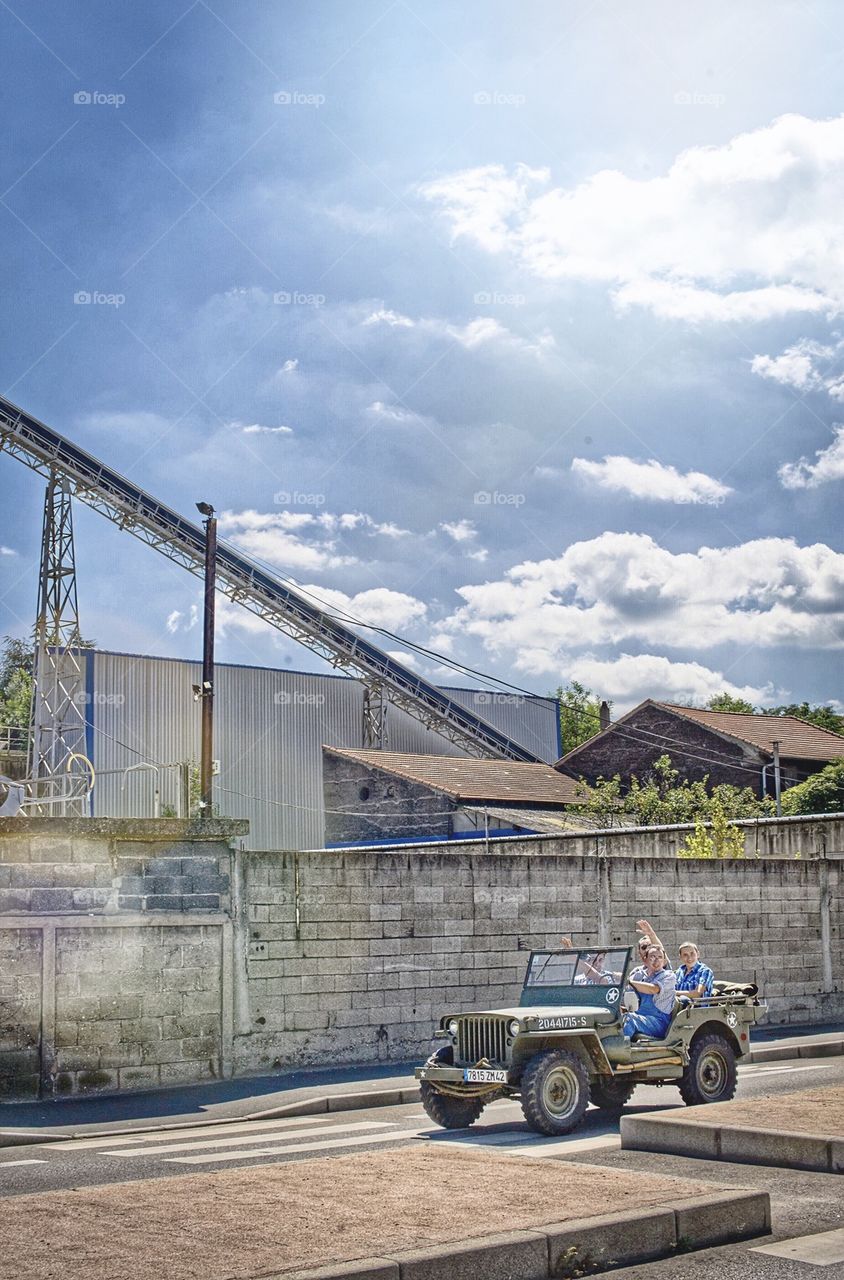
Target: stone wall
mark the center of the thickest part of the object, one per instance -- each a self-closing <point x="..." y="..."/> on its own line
<point x="115" y="954"/>
<point x="330" y="957"/>
<point x="363" y="802"/>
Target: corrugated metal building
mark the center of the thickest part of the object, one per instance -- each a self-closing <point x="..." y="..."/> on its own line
<point x="270" y="728"/>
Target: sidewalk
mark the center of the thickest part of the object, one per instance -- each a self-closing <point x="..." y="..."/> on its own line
<point x="802" y="1130"/>
<point x="295" y="1093"/>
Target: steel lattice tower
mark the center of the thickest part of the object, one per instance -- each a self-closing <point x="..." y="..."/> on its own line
<point x="58" y="711"/>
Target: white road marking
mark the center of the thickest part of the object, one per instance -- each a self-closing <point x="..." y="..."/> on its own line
<point x="10" y="1164"/>
<point x="821" y="1250"/>
<point x="528" y="1144"/>
<point x="244" y="1139"/>
<point x="128" y="1138"/>
<point x="747" y="1072"/>
<point x="339" y="1144"/>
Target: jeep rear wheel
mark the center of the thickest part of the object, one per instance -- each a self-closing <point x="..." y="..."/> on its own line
<point x="711" y="1073"/>
<point x="555" y="1092"/>
<point x="446" y="1110"/>
<point x="611" y="1095"/>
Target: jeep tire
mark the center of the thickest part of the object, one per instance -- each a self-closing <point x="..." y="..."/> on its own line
<point x="611" y="1095"/>
<point x="446" y="1110"/>
<point x="555" y="1092"/>
<point x="711" y="1073"/>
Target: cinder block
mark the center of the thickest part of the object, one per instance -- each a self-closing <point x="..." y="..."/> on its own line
<point x="615" y="1240"/>
<point x="720" y="1219"/>
<point x="513" y="1255"/>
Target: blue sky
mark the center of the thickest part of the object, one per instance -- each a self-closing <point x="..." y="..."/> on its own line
<point x="515" y="330"/>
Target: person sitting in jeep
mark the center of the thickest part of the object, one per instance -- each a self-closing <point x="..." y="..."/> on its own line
<point x="655" y="988"/>
<point x="592" y="971"/>
<point x="694" y="978"/>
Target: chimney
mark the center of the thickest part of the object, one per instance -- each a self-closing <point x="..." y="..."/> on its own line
<point x="605" y="715"/>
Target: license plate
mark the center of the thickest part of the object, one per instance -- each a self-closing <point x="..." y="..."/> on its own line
<point x="484" y="1075"/>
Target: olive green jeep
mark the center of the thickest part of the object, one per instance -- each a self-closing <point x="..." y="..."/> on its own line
<point x="563" y="1047"/>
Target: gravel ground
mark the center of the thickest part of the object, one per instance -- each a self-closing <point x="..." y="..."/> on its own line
<point x="284" y="1217"/>
<point x="816" y="1111"/>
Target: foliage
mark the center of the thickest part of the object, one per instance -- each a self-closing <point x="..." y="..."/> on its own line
<point x="823" y="716"/>
<point x="823" y="792"/>
<point x="726" y="702"/>
<point x="580" y="714"/>
<point x="662" y="798"/>
<point x="16" y="663"/>
<point x="719" y="840"/>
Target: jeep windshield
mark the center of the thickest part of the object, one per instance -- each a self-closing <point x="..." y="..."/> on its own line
<point x="590" y="976"/>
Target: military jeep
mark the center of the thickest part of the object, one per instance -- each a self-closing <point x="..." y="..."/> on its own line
<point x="563" y="1047"/>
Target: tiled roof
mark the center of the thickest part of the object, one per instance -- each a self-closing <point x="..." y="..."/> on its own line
<point x="466" y="778"/>
<point x="798" y="739"/>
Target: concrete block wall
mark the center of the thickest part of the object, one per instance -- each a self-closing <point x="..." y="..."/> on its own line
<point x="115" y="954"/>
<point x="389" y="940"/>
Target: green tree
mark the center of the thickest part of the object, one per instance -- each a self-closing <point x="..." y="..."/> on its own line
<point x="580" y="714"/>
<point x="726" y="702"/>
<point x="719" y="840"/>
<point x="16" y="661"/>
<point x="823" y="792"/>
<point x="661" y="798"/>
<point x="823" y="716"/>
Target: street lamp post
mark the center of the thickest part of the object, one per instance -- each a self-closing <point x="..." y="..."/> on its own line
<point x="206" y="798"/>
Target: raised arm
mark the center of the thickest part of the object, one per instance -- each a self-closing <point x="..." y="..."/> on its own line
<point x="645" y="926"/>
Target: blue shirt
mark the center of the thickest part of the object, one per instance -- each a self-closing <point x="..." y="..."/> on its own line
<point x="700" y="975"/>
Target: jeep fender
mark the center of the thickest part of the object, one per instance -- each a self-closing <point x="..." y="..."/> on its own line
<point x="586" y="1044"/>
<point x="717" y="1027"/>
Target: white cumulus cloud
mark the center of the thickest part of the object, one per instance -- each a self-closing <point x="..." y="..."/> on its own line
<point x="459" y="530"/>
<point x="745" y="230"/>
<point x="651" y="480"/>
<point x="630" y="678"/>
<point x="828" y="465"/>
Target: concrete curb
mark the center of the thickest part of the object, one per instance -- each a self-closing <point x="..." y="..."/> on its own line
<point x="773" y="1147"/>
<point x="570" y="1249"/>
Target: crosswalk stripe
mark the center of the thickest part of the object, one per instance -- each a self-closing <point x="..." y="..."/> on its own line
<point x="166" y="1135"/>
<point x="530" y="1145"/>
<point x="760" y="1070"/>
<point x="244" y="1139"/>
<point x="10" y="1164"/>
<point x="341" y="1143"/>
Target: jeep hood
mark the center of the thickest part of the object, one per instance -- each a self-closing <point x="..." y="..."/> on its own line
<point x="594" y="1012"/>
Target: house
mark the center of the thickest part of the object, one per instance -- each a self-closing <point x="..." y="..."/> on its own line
<point x="725" y="746"/>
<point x="373" y="796"/>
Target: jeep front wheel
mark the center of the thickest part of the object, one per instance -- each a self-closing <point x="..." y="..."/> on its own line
<point x="611" y="1095"/>
<point x="446" y="1110"/>
<point x="711" y="1073"/>
<point x="555" y="1092"/>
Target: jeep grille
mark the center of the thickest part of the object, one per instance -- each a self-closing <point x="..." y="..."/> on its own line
<point x="482" y="1037"/>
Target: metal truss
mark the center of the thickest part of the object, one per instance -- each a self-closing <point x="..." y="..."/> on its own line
<point x="58" y="711"/>
<point x="248" y="584"/>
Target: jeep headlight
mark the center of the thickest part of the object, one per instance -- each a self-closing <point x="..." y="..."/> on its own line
<point x="514" y="1027"/>
<point x="451" y="1026"/>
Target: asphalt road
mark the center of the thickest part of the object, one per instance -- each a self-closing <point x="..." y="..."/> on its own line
<point x="91" y="1161"/>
